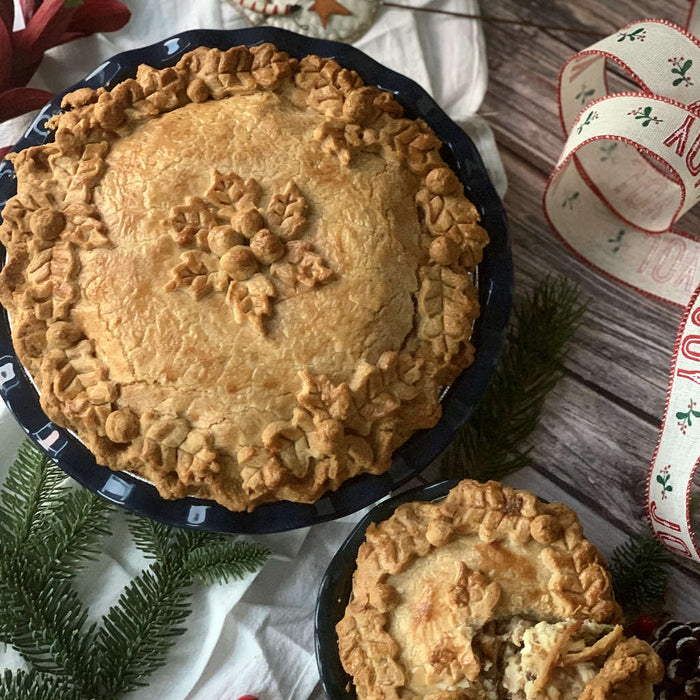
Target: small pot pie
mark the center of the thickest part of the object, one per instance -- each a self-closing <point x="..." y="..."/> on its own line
<point x="244" y="277"/>
<point x="490" y="594"/>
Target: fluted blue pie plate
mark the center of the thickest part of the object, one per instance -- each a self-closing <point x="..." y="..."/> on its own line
<point x="336" y="586"/>
<point x="495" y="289"/>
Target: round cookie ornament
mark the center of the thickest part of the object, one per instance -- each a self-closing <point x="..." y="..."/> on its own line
<point x="339" y="20"/>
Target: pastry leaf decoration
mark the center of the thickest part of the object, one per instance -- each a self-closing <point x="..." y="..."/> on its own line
<point x="492" y="444"/>
<point x="49" y="532"/>
<point x="253" y="256"/>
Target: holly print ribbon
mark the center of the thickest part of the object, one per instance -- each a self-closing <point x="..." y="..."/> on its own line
<point x="632" y="160"/>
<point x="676" y="457"/>
<point x="630" y="168"/>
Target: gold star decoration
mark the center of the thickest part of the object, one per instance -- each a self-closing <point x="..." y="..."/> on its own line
<point x="325" y="8"/>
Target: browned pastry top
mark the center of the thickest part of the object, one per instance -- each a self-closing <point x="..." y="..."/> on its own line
<point x="488" y="594"/>
<point x="244" y="277"/>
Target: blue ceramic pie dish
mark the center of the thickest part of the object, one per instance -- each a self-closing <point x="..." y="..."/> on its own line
<point x="495" y="289"/>
<point x="334" y="593"/>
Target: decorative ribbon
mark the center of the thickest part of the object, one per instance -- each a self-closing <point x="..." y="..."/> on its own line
<point x="630" y="168"/>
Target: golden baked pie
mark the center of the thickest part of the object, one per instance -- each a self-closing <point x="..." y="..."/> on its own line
<point x="244" y="277"/>
<point x="488" y="594"/>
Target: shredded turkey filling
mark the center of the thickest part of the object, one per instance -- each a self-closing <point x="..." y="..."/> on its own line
<point x="522" y="659"/>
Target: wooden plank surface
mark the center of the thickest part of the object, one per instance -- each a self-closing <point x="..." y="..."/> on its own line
<point x="600" y="425"/>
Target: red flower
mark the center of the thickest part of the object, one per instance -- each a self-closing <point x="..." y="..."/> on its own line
<point x="47" y="24"/>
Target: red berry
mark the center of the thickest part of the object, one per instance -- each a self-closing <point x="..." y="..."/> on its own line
<point x="247" y="697"/>
<point x="644" y="626"/>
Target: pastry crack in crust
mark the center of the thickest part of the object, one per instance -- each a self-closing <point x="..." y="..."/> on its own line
<point x="243" y="277"/>
<point x="488" y="594"/>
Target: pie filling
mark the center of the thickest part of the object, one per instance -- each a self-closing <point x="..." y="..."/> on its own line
<point x="517" y="659"/>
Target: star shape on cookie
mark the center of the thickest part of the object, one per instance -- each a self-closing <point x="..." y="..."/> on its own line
<point x="325" y="8"/>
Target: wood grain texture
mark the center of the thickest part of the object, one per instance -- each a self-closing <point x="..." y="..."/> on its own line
<point x="614" y="461"/>
<point x="600" y="425"/>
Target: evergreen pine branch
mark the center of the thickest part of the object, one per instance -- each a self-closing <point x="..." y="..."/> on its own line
<point x="138" y="631"/>
<point x="57" y="488"/>
<point x="164" y="543"/>
<point x="45" y="622"/>
<point x="30" y="489"/>
<point x="192" y="539"/>
<point x="47" y="532"/>
<point x="640" y="572"/>
<point x="187" y="541"/>
<point x="73" y="534"/>
<point x="40" y="615"/>
<point x="57" y="525"/>
<point x="23" y="685"/>
<point x="226" y="561"/>
<point x="491" y="444"/>
<point x="154" y="539"/>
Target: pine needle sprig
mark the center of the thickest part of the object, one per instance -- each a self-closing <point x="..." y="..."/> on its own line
<point x="23" y="685"/>
<point x="151" y="537"/>
<point x="137" y="633"/>
<point x="48" y="532"/>
<point x="207" y="556"/>
<point x="188" y="541"/>
<point x="45" y="622"/>
<point x="73" y="533"/>
<point x="40" y="614"/>
<point x="139" y="630"/>
<point x="56" y="525"/>
<point x="31" y="488"/>
<point x="225" y="561"/>
<point x="640" y="573"/>
<point x="491" y="444"/>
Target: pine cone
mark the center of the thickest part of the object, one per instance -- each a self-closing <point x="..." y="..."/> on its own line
<point x="678" y="644"/>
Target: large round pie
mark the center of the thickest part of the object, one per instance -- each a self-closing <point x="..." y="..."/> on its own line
<point x="244" y="277"/>
<point x="490" y="594"/>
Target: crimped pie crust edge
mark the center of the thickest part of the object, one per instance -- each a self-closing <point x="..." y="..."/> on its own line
<point x="51" y="220"/>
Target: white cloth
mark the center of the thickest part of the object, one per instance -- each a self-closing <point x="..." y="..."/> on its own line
<point x="256" y="636"/>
